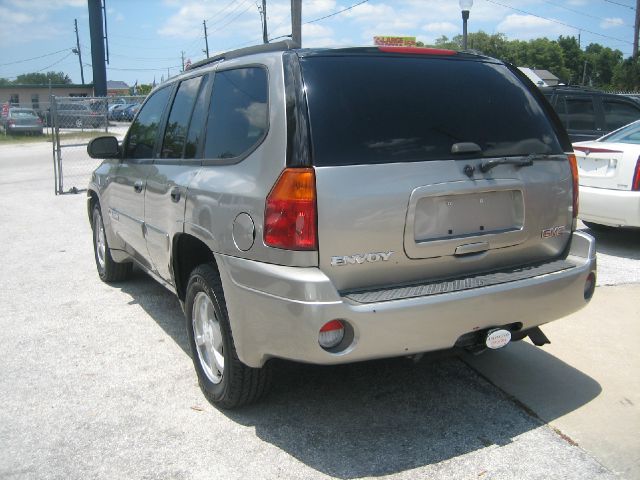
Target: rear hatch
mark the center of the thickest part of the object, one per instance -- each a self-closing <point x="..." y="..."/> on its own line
<point x="431" y="167"/>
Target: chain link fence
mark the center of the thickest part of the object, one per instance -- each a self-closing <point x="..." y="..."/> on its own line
<point x="74" y="121"/>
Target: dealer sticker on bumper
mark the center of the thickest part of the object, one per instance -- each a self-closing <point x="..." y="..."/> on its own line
<point x="498" y="338"/>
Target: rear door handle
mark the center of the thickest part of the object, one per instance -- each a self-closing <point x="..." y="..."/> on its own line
<point x="138" y="186"/>
<point x="175" y="194"/>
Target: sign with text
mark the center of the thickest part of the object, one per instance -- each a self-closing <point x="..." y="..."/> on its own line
<point x="394" y="41"/>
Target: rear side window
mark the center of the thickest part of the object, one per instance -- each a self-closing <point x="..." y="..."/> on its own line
<point x="176" y="132"/>
<point x="366" y="109"/>
<point x="618" y="114"/>
<point x="238" y="112"/>
<point x="144" y="130"/>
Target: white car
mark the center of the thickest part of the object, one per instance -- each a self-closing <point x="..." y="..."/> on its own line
<point x="609" y="172"/>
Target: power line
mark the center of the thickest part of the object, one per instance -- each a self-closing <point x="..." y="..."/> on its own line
<point x="620" y="4"/>
<point x="42" y="69"/>
<point x="581" y="13"/>
<point x="35" y="58"/>
<point x="335" y="13"/>
<point x="558" y="22"/>
<point x="233" y="19"/>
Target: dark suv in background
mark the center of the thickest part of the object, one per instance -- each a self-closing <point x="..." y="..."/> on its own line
<point x="588" y="114"/>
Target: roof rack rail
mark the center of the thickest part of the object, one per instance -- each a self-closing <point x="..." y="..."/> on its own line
<point x="242" y="52"/>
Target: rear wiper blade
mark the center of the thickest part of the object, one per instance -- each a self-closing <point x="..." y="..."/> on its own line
<point x="518" y="162"/>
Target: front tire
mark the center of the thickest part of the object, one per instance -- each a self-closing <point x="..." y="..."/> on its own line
<point x="108" y="270"/>
<point x="223" y="378"/>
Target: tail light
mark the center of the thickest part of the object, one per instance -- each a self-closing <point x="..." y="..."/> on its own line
<point x="11" y="122"/>
<point x="574" y="174"/>
<point x="290" y="212"/>
<point x="39" y="121"/>
<point x="635" y="185"/>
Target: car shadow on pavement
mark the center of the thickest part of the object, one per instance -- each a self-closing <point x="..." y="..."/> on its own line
<point x="385" y="416"/>
<point x="161" y="305"/>
<point x="617" y="242"/>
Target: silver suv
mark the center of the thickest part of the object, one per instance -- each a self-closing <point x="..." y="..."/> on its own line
<point x="332" y="206"/>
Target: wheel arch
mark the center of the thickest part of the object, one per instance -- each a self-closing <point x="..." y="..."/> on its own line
<point x="188" y="252"/>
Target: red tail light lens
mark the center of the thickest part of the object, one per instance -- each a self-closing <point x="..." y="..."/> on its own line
<point x="574" y="174"/>
<point x="290" y="212"/>
<point x="635" y="185"/>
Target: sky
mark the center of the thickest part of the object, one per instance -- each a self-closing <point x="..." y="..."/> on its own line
<point x="147" y="38"/>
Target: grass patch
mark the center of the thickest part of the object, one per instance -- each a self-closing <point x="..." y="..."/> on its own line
<point x="23" y="138"/>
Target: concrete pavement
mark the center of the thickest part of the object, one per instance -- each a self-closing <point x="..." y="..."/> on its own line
<point x="586" y="384"/>
<point x="96" y="382"/>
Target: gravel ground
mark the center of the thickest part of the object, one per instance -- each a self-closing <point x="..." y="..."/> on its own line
<point x="96" y="382"/>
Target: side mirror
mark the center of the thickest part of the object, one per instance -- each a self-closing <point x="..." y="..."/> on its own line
<point x="104" y="147"/>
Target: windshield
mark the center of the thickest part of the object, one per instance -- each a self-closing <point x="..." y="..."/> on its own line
<point x="628" y="134"/>
<point x="385" y="109"/>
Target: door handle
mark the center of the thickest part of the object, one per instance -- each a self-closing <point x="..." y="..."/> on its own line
<point x="138" y="186"/>
<point x="175" y="194"/>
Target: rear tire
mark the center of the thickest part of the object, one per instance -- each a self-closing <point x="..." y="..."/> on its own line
<point x="223" y="378"/>
<point x="108" y="270"/>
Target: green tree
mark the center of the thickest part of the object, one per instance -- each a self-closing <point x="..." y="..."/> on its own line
<point x="56" y="78"/>
<point x="626" y="75"/>
<point x="573" y="58"/>
<point x="601" y="62"/>
<point x="4" y="81"/>
<point x="144" y="88"/>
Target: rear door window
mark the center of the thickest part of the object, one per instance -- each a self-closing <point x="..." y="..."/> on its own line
<point x="238" y="113"/>
<point x="175" y="133"/>
<point x="385" y="109"/>
<point x="618" y="114"/>
<point x="580" y="114"/>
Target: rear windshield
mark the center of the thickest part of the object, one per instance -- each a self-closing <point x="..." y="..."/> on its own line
<point x="385" y="109"/>
<point x="22" y="113"/>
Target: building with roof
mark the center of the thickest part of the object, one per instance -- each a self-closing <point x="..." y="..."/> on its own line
<point x="547" y="77"/>
<point x="117" y="88"/>
<point x="37" y="96"/>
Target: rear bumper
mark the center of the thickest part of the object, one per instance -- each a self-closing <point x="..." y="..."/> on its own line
<point x="615" y="208"/>
<point x="277" y="311"/>
<point x="25" y="128"/>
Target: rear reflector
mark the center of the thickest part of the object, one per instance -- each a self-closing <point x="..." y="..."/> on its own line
<point x="574" y="174"/>
<point x="418" y="50"/>
<point x="331" y="334"/>
<point x="290" y="211"/>
<point x="589" y="286"/>
<point x="635" y="185"/>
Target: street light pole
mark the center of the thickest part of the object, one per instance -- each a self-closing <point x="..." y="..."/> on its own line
<point x="465" y="6"/>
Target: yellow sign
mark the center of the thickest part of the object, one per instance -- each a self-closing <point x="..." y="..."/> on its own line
<point x="394" y="41"/>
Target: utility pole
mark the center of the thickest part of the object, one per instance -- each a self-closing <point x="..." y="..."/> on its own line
<point x="206" y="39"/>
<point x="296" y="22"/>
<point x="97" y="48"/>
<point x="636" y="30"/>
<point x="78" y="51"/>
<point x="182" y="54"/>
<point x="265" y="36"/>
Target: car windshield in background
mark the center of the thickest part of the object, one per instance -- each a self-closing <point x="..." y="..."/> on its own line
<point x="23" y="113"/>
<point x="366" y="109"/>
<point x="628" y="134"/>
